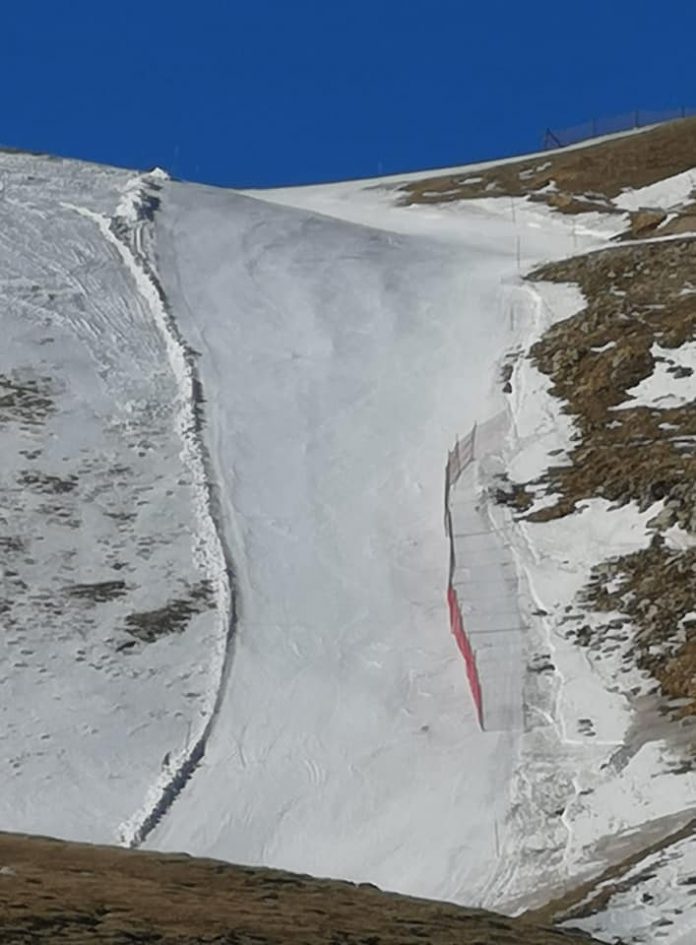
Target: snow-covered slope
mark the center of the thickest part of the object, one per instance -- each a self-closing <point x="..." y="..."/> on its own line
<point x="225" y="419"/>
<point x="105" y="540"/>
<point x="340" y="360"/>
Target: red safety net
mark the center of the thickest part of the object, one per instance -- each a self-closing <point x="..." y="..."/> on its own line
<point x="457" y="625"/>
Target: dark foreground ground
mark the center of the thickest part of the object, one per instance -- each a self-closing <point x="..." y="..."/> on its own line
<point x="58" y="892"/>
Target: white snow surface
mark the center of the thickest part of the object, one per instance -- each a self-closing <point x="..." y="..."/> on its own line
<point x="669" y="194"/>
<point x="338" y="362"/>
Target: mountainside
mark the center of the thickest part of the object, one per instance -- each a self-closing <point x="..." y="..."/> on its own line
<point x="226" y="421"/>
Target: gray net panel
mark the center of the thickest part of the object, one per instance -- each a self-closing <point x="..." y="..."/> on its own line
<point x="485" y="579"/>
<point x="460" y="457"/>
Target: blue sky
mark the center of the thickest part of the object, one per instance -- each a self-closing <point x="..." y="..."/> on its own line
<point x="270" y="92"/>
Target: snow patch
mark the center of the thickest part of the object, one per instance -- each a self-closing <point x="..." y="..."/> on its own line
<point x="670" y="384"/>
<point x="668" y="194"/>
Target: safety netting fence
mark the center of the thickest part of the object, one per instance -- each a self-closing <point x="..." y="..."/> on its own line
<point x="598" y="127"/>
<point x="482" y="588"/>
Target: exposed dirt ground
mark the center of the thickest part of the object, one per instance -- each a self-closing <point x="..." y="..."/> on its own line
<point x="57" y="892"/>
<point x="637" y="297"/>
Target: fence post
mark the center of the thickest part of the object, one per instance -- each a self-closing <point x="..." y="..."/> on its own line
<point x="550" y="139"/>
<point x="447" y="494"/>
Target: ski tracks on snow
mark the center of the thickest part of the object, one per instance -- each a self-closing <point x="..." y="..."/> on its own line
<point x="128" y="232"/>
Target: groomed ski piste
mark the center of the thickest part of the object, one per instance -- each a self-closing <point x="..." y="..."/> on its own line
<point x="305" y="359"/>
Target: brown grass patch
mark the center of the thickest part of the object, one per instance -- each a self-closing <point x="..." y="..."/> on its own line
<point x="58" y="892"/>
<point x="585" y="179"/>
<point x="635" y="298"/>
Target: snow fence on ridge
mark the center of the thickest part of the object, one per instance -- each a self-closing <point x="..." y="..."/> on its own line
<point x="482" y="590"/>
